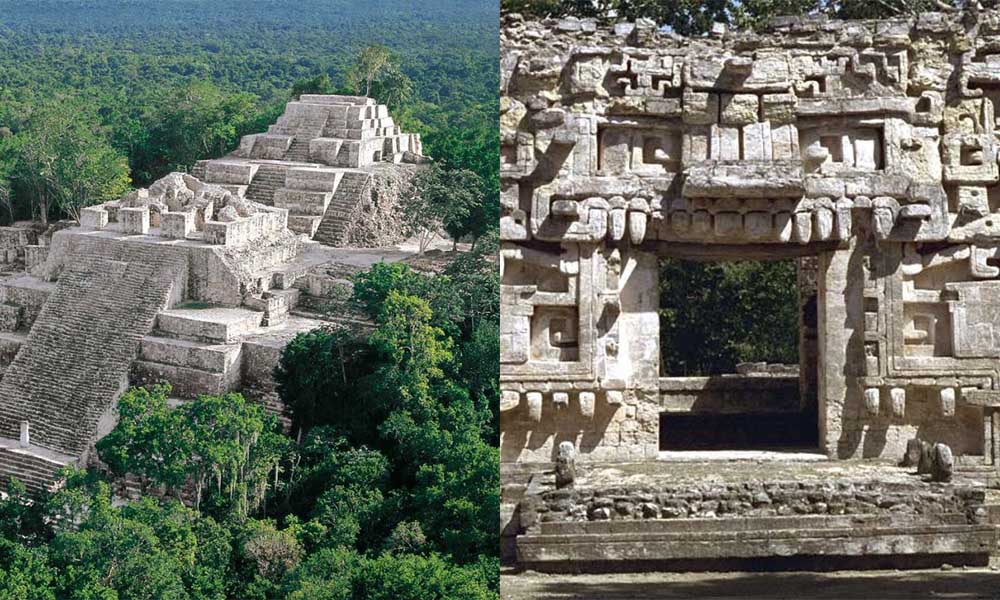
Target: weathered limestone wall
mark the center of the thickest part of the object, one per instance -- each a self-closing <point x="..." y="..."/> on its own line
<point x="866" y="148"/>
<point x="615" y="420"/>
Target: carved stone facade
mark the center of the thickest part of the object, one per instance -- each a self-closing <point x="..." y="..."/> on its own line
<point x="866" y="149"/>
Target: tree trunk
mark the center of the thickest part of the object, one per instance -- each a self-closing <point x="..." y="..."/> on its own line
<point x="43" y="208"/>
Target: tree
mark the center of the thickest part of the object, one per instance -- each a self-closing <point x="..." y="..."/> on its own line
<point x="320" y="84"/>
<point x="220" y="444"/>
<point x="392" y="87"/>
<point x="319" y="374"/>
<point x="197" y="121"/>
<point x="8" y="162"/>
<point x="390" y="577"/>
<point x="369" y="64"/>
<point x="441" y="199"/>
<point x="715" y="315"/>
<point x="376" y="74"/>
<point x="24" y="573"/>
<point x="341" y="488"/>
<point x="325" y="575"/>
<point x="65" y="162"/>
<point x="694" y="17"/>
<point x="149" y="440"/>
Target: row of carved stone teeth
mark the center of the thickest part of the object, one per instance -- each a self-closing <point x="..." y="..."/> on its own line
<point x="820" y="222"/>
<point x="897" y="401"/>
<point x="510" y="399"/>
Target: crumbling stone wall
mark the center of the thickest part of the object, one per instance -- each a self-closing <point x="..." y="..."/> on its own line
<point x="753" y="499"/>
<point x="868" y="148"/>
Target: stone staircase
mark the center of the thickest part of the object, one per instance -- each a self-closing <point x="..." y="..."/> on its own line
<point x="268" y="179"/>
<point x="75" y="360"/>
<point x="326" y="133"/>
<point x="34" y="467"/>
<point x="334" y="229"/>
<point x="299" y="150"/>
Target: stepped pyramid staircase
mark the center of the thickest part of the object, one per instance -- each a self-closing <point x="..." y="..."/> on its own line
<point x="315" y="161"/>
<point x="334" y="229"/>
<point x="76" y="357"/>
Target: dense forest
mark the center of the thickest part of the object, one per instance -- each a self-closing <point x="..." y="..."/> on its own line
<point x="715" y="315"/>
<point x="387" y="485"/>
<point x="160" y="85"/>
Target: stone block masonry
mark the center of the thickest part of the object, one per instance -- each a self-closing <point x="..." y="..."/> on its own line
<point x="76" y="358"/>
<point x="319" y="161"/>
<point x="189" y="282"/>
<point x="866" y="149"/>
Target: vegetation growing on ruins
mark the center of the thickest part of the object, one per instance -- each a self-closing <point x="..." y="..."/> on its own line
<point x="388" y="487"/>
<point x="159" y="85"/>
<point x="692" y="17"/>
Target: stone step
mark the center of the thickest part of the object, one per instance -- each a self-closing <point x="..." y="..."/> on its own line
<point x="748" y="524"/>
<point x="302" y="202"/>
<point x="218" y="358"/>
<point x="211" y="325"/>
<point x="230" y="172"/>
<point x="304" y="224"/>
<point x="185" y="382"/>
<point x="548" y="552"/>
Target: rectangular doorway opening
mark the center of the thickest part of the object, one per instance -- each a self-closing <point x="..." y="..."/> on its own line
<point x="738" y="355"/>
<point x="774" y="431"/>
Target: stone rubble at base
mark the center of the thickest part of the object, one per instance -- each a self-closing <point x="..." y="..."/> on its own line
<point x="865" y="150"/>
<point x="198" y="281"/>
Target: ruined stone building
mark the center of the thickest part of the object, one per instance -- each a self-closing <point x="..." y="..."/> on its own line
<point x="866" y="151"/>
<point x="198" y="281"/>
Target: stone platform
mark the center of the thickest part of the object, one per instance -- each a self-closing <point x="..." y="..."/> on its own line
<point x="677" y="515"/>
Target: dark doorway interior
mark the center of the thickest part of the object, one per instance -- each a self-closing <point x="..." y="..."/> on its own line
<point x="777" y="431"/>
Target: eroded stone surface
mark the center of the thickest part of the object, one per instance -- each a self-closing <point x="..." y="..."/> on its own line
<point x="869" y="149"/>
